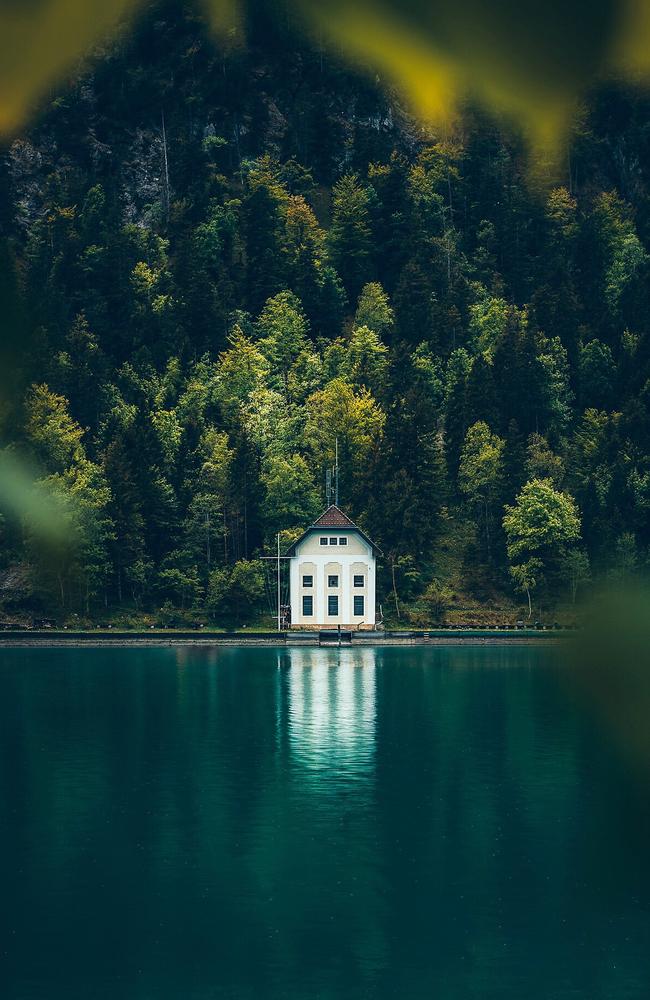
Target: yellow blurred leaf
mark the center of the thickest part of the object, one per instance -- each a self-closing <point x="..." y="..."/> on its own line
<point x="225" y="15"/>
<point x="530" y="61"/>
<point x="41" y="40"/>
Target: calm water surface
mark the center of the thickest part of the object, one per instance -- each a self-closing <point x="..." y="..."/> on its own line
<point x="188" y="824"/>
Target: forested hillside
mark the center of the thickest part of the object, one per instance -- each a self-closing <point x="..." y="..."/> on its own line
<point x="219" y="261"/>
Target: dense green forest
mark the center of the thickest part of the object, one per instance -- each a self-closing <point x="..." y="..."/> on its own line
<point x="220" y="260"/>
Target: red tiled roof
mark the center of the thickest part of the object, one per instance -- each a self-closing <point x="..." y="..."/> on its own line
<point x="333" y="518"/>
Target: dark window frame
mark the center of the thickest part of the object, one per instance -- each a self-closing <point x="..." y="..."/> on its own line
<point x="332" y="605"/>
<point x="307" y="606"/>
<point x="308" y="580"/>
<point x="359" y="605"/>
<point x="357" y="577"/>
<point x="323" y="539"/>
<point x="332" y="577"/>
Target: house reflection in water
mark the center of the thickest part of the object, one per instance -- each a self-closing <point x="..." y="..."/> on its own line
<point x="332" y="709"/>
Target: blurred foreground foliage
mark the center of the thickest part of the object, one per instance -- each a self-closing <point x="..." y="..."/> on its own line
<point x="40" y="41"/>
<point x="609" y="667"/>
<point x="533" y="61"/>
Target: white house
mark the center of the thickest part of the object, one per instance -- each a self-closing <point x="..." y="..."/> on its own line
<point x="332" y="575"/>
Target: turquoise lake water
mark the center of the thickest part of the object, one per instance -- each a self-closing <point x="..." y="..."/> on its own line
<point x="189" y="824"/>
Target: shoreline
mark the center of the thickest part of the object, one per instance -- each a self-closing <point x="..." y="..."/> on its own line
<point x="284" y="640"/>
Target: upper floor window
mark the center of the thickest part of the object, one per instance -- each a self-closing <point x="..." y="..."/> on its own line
<point x="332" y="581"/>
<point x="323" y="540"/>
<point x="343" y="541"/>
<point x="358" y="581"/>
<point x="333" y="541"/>
<point x="308" y="581"/>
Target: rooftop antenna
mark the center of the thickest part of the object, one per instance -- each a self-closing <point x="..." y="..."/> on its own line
<point x="328" y="486"/>
<point x="336" y="475"/>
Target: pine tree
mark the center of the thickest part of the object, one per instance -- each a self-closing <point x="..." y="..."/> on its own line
<point x="350" y="237"/>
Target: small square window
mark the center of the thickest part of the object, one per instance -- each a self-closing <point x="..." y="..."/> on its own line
<point x="323" y="541"/>
<point x="333" y="541"/>
<point x="308" y="581"/>
<point x="358" y="581"/>
<point x="343" y="541"/>
<point x="332" y="581"/>
<point x="358" y="606"/>
<point x="332" y="606"/>
<point x="308" y="606"/>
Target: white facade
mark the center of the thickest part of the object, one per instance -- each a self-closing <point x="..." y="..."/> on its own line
<point x="332" y="577"/>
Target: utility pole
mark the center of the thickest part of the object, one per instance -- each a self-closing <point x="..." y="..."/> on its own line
<point x="277" y="558"/>
<point x="332" y="478"/>
<point x="278" y="581"/>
